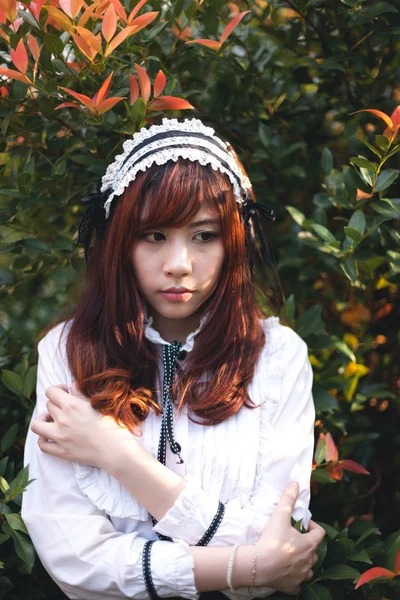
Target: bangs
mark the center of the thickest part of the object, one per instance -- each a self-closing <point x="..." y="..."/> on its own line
<point x="172" y="194"/>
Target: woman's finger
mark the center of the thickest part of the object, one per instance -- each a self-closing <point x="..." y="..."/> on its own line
<point x="53" y="409"/>
<point x="310" y="575"/>
<point x="49" y="447"/>
<point x="315" y="558"/>
<point x="42" y="426"/>
<point x="58" y="394"/>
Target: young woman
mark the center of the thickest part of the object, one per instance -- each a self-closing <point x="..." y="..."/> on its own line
<point x="172" y="438"/>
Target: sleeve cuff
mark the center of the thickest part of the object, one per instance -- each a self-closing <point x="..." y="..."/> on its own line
<point x="172" y="570"/>
<point x="190" y="516"/>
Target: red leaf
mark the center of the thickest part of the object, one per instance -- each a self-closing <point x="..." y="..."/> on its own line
<point x="103" y="91"/>
<point x="144" y="81"/>
<point x="374" y="573"/>
<point x="350" y="465"/>
<point x="136" y="9"/>
<point x="209" y="43"/>
<point x="231" y="26"/>
<point x="335" y="470"/>
<point x="81" y="97"/>
<point x="378" y="113"/>
<point x="71" y="7"/>
<point x="68" y="105"/>
<point x="134" y="89"/>
<point x="120" y="9"/>
<point x="397" y="563"/>
<point x="169" y="103"/>
<point x="395" y="117"/>
<point x="119" y="38"/>
<point x="159" y="83"/>
<point x="14" y="75"/>
<point x="33" y="46"/>
<point x="143" y="20"/>
<point x="9" y="8"/>
<point x="107" y="104"/>
<point x="19" y="56"/>
<point x="109" y="24"/>
<point x="331" y="451"/>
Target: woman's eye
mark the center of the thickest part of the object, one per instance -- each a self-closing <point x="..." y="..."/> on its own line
<point x="153" y="237"/>
<point x="207" y="236"/>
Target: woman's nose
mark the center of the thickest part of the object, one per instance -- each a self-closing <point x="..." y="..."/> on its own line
<point x="177" y="262"/>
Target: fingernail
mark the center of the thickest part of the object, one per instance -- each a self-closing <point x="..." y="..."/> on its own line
<point x="293" y="486"/>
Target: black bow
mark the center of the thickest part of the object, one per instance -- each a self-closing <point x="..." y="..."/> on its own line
<point x="250" y="211"/>
<point x="94" y="218"/>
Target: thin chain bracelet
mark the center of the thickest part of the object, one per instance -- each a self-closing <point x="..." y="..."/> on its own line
<point x="230" y="567"/>
<point x="254" y="569"/>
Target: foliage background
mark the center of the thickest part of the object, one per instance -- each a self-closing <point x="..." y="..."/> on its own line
<point x="281" y="88"/>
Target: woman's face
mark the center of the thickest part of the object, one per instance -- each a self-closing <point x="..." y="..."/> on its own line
<point x="177" y="269"/>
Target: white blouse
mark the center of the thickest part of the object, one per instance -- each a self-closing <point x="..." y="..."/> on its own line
<point x="89" y="532"/>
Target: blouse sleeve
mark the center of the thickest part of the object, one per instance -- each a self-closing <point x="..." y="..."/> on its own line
<point x="290" y="437"/>
<point x="77" y="544"/>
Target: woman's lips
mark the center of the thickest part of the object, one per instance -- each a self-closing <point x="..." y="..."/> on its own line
<point x="177" y="296"/>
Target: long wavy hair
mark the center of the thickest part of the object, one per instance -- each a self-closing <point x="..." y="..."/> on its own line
<point x="114" y="364"/>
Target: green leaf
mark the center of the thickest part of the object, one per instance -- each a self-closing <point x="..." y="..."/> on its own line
<point x="138" y="110"/>
<point x="28" y="18"/>
<point x="343" y="347"/>
<point x="353" y="234"/>
<point x="360" y="161"/>
<point x="4" y="487"/>
<point x="30" y="382"/>
<point x="290" y="307"/>
<point x="357" y="221"/>
<point x="331" y="532"/>
<point x="319" y="454"/>
<point x="340" y="572"/>
<point x="322" y="476"/>
<point x="385" y="179"/>
<point x="393" y="151"/>
<point x="371" y="147"/>
<point x="13" y="381"/>
<point x="324" y="401"/>
<point x="323" y="233"/>
<point x="9" y="437"/>
<point x="23" y="546"/>
<point x="360" y="556"/>
<point x="394" y="261"/>
<point x="310" y="322"/>
<point x="296" y="215"/>
<point x="16" y="523"/>
<point x="326" y="161"/>
<point x="387" y="208"/>
<point x="316" y="592"/>
<point x="349" y="267"/>
<point x="3" y="538"/>
<point x="382" y="142"/>
<point x="53" y="44"/>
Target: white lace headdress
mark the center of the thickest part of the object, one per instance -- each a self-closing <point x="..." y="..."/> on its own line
<point x="190" y="139"/>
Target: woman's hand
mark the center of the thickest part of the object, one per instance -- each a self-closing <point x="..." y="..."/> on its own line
<point x="77" y="431"/>
<point x="286" y="556"/>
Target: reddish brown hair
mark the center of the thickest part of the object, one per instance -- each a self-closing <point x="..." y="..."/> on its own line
<point x="108" y="354"/>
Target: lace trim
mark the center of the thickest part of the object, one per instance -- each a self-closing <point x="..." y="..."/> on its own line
<point x="117" y="179"/>
<point x="117" y="171"/>
<point x="161" y="158"/>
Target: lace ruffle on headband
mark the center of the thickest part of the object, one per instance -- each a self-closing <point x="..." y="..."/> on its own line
<point x="189" y="139"/>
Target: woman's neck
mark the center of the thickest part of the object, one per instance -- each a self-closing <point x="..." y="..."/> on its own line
<point x="175" y="329"/>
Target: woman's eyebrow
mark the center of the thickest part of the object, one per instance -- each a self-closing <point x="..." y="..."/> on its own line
<point x="205" y="222"/>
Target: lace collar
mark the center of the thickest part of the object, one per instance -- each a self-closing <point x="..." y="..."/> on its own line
<point x="153" y="335"/>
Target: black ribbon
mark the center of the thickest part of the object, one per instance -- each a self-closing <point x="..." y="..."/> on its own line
<point x="250" y="213"/>
<point x="94" y="219"/>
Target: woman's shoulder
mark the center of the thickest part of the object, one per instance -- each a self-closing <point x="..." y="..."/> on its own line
<point x="281" y="342"/>
<point x="52" y="345"/>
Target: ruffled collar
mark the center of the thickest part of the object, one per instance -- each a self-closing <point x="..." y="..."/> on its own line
<point x="153" y="335"/>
